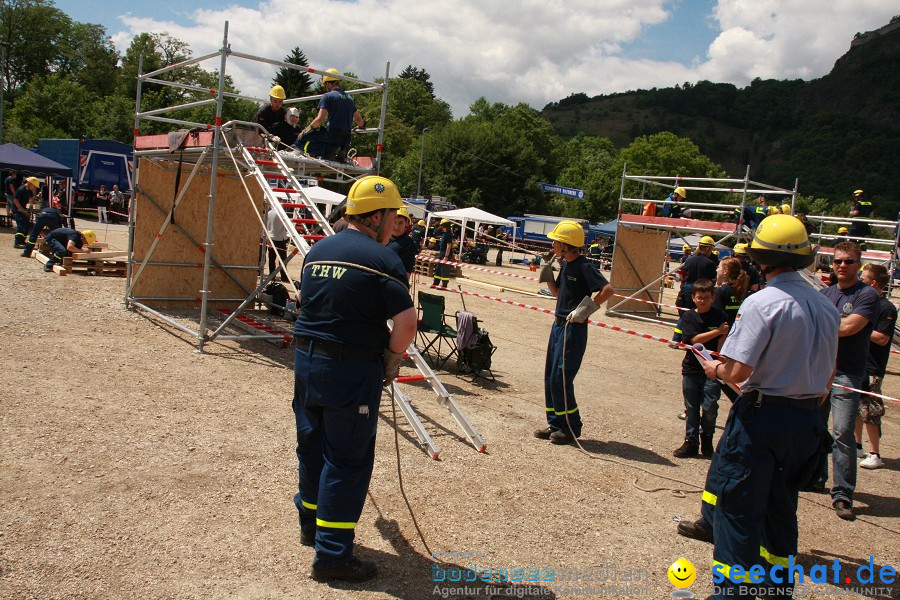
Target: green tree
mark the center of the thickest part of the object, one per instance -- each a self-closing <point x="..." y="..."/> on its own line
<point x="87" y="55"/>
<point x="588" y="164"/>
<point x="296" y="83"/>
<point x="420" y="75"/>
<point x="51" y="107"/>
<point x="32" y="29"/>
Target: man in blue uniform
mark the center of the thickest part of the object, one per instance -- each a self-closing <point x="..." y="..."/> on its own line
<point x="580" y="289"/>
<point x="48" y="219"/>
<point x="698" y="266"/>
<point x="274" y="112"/>
<point x="344" y="354"/>
<point x="402" y="243"/>
<point x="338" y="109"/>
<point x="23" y="196"/>
<point x="10" y="185"/>
<point x="861" y="208"/>
<point x="671" y="208"/>
<point x="445" y="250"/>
<point x="64" y="242"/>
<point x="858" y="306"/>
<point x="781" y="352"/>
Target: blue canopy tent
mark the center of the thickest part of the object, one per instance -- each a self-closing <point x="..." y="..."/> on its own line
<point x="16" y="158"/>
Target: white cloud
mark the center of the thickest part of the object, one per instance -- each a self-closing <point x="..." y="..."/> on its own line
<point x="533" y="51"/>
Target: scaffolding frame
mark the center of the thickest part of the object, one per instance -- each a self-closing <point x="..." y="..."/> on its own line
<point x="745" y="186"/>
<point x="261" y="163"/>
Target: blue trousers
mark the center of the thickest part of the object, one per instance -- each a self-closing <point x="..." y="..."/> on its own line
<point x="48" y="221"/>
<point x="701" y="405"/>
<point x="563" y="409"/>
<point x="57" y="252"/>
<point x="843" y="407"/>
<point x="336" y="411"/>
<point x="23" y="224"/>
<point x="752" y="488"/>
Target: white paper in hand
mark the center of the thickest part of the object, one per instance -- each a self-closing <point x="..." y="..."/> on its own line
<point x="702" y="353"/>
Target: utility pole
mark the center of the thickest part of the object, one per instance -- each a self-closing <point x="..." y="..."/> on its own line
<point x="3" y="46"/>
<point x="421" y="156"/>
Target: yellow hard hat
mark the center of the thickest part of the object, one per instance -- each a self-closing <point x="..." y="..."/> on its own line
<point x="90" y="236"/>
<point x="421" y="222"/>
<point x="277" y="92"/>
<point x="858" y="193"/>
<point x="773" y="210"/>
<point x="685" y="248"/>
<point x="740" y="249"/>
<point x="372" y="193"/>
<point x="568" y="232"/>
<point x="34" y="181"/>
<point x="681" y="192"/>
<point x="843" y="230"/>
<point x="403" y="212"/>
<point x="446" y="222"/>
<point x="785" y="209"/>
<point x="781" y="241"/>
<point x="707" y="241"/>
<point x="327" y="78"/>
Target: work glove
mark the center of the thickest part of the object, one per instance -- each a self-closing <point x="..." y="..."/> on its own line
<point x="547" y="274"/>
<point x="583" y="311"/>
<point x="392" y="362"/>
<point x="306" y="131"/>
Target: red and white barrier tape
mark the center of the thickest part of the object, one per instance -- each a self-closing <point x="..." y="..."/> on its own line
<point x="651" y="302"/>
<point x="646" y="336"/>
<point x="473" y="267"/>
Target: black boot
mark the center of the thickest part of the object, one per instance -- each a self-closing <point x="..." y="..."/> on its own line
<point x="706" y="445"/>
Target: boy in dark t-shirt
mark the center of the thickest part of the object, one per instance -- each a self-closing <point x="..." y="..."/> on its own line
<point x="706" y="325"/>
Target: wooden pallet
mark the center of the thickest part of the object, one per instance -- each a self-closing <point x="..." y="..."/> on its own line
<point x="103" y="262"/>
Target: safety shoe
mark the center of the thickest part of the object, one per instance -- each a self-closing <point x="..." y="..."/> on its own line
<point x="688" y="449"/>
<point x="706" y="445"/>
<point x="18" y="245"/>
<point x="544" y="434"/>
<point x="843" y="509"/>
<point x="696" y="531"/>
<point x="308" y="538"/>
<point x="48" y="267"/>
<point x="352" y="570"/>
<point x="873" y="461"/>
<point x="26" y="254"/>
<point x="560" y="438"/>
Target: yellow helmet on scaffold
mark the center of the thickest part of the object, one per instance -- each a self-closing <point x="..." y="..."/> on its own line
<point x="372" y="193"/>
<point x="277" y="92"/>
<point x="781" y="241"/>
<point x="785" y="209"/>
<point x="568" y="232"/>
<point x="681" y="192"/>
<point x="843" y="230"/>
<point x="327" y="78"/>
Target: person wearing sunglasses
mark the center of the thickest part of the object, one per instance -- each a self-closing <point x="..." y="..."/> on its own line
<point x="858" y="306"/>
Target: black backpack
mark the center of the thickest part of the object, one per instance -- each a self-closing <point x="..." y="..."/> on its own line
<point x="478" y="358"/>
<point x="279" y="295"/>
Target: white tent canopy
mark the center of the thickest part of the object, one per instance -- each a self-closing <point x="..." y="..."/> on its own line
<point x="317" y="194"/>
<point x="465" y="215"/>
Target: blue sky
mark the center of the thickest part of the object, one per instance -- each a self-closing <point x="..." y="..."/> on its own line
<point x="536" y="52"/>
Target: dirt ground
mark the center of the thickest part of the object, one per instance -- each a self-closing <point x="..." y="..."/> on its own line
<point x="132" y="466"/>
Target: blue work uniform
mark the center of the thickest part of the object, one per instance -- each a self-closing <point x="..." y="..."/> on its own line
<point x="864" y="208"/>
<point x="406" y="249"/>
<point x="697" y="266"/>
<point x="442" y="270"/>
<point x="671" y="208"/>
<point x="576" y="280"/>
<point x="340" y="336"/>
<point x="268" y="117"/>
<point x="23" y="219"/>
<point x="48" y="219"/>
<point x="58" y="241"/>
<point x="843" y="405"/>
<point x="787" y="333"/>
<point x="753" y="215"/>
<point x="341" y="108"/>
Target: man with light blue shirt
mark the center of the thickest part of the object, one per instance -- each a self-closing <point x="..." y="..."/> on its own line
<point x="858" y="306"/>
<point x="781" y="353"/>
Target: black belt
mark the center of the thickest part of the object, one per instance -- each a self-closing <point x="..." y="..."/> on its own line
<point x="334" y="350"/>
<point x="806" y="403"/>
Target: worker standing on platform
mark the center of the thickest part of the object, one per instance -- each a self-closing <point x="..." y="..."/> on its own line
<point x="781" y="352"/>
<point x="344" y="354"/>
<point x="698" y="266"/>
<point x="445" y="252"/>
<point x="274" y="112"/>
<point x="860" y="209"/>
<point x="65" y="242"/>
<point x="338" y="110"/>
<point x="671" y="207"/>
<point x="580" y="289"/>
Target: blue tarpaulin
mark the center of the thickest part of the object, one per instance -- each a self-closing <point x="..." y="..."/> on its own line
<point x="16" y="158"/>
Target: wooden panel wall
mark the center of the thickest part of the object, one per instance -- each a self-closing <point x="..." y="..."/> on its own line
<point x="638" y="259"/>
<point x="236" y="234"/>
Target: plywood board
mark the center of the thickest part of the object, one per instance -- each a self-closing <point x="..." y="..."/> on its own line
<point x="235" y="235"/>
<point x="638" y="259"/>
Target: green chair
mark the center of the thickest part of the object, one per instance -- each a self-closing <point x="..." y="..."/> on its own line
<point x="437" y="339"/>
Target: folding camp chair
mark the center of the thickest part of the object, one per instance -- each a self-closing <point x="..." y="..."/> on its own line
<point x="436" y="337"/>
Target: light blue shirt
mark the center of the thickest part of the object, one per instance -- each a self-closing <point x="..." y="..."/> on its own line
<point x="788" y="333"/>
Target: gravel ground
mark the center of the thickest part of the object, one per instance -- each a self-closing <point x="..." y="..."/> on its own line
<point x="132" y="466"/>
